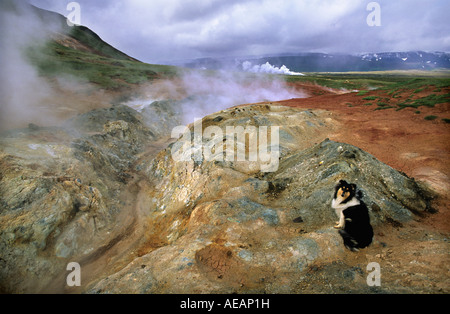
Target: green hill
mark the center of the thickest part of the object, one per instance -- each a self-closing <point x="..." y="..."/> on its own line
<point x="80" y="52"/>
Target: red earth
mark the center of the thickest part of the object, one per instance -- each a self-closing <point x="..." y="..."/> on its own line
<point x="403" y="139"/>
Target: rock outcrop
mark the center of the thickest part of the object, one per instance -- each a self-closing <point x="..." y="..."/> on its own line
<point x="204" y="225"/>
<point x="225" y="227"/>
<point x="60" y="193"/>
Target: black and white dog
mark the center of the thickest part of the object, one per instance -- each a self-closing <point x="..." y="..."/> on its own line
<point x="354" y="220"/>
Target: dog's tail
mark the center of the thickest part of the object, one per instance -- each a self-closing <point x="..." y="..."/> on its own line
<point x="349" y="241"/>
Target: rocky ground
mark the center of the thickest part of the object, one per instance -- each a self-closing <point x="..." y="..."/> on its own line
<point x="103" y="190"/>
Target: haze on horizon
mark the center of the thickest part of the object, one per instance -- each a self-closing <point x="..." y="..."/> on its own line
<point x="161" y="30"/>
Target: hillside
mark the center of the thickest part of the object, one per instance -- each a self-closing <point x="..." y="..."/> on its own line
<point x="57" y="49"/>
<point x="78" y="51"/>
<point x="77" y="37"/>
<point x="52" y="71"/>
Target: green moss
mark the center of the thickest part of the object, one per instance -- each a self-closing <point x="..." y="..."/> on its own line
<point x="371" y="98"/>
<point x="427" y="101"/>
<point x="384" y="107"/>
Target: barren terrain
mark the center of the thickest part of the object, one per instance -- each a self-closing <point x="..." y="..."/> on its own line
<point x="413" y="255"/>
<point x="406" y="141"/>
<point x="403" y="139"/>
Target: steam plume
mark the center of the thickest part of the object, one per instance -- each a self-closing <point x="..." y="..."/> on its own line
<point x="205" y="92"/>
<point x="247" y="66"/>
<point x="22" y="90"/>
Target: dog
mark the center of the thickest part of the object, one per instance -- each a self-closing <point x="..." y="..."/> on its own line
<point x="354" y="220"/>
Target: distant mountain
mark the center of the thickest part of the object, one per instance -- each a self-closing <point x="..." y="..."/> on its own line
<point x="322" y="62"/>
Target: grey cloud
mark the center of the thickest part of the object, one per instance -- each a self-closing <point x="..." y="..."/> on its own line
<point x="189" y="10"/>
<point x="159" y="30"/>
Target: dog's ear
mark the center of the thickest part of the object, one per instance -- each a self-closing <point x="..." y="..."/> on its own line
<point x="353" y="186"/>
<point x="342" y="182"/>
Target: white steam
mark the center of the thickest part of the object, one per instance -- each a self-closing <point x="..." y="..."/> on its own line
<point x="21" y="88"/>
<point x="247" y="66"/>
<point x="222" y="90"/>
<point x="205" y="92"/>
<point x="25" y="96"/>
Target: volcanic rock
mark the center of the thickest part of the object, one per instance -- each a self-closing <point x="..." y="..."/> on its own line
<point x="222" y="227"/>
<point x="59" y="193"/>
<point x="108" y="193"/>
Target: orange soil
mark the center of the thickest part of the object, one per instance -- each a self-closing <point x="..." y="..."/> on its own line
<point x="402" y="139"/>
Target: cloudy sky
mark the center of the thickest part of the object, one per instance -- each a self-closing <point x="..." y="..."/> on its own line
<point x="168" y="30"/>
